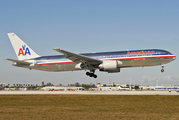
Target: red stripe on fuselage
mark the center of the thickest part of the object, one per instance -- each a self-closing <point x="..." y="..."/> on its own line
<point x="127" y="58"/>
<point x="55" y="63"/>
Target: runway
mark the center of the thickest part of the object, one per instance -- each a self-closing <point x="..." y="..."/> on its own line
<point x="90" y="92"/>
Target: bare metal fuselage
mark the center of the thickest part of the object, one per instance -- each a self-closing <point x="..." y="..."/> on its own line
<point x="60" y="63"/>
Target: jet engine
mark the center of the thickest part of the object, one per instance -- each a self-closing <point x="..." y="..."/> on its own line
<point x="110" y="66"/>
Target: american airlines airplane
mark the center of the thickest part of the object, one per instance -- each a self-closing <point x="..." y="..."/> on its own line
<point x="110" y="62"/>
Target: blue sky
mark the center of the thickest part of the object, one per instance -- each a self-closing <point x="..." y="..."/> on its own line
<point x="90" y="26"/>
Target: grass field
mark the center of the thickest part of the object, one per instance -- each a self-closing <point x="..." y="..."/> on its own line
<point x="89" y="107"/>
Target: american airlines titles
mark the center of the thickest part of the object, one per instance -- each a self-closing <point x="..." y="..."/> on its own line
<point x="141" y="52"/>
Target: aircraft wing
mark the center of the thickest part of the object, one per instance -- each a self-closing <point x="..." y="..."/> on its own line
<point x="78" y="58"/>
<point x="18" y="61"/>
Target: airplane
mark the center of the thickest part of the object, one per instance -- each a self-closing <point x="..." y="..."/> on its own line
<point x="1" y="87"/>
<point x="110" y="62"/>
<point x="120" y="88"/>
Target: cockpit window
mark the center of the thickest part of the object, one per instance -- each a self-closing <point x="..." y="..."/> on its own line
<point x="168" y="53"/>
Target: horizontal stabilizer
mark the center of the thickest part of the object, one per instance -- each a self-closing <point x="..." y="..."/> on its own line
<point x="18" y="61"/>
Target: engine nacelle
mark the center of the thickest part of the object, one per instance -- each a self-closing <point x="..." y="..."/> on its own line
<point x="110" y="66"/>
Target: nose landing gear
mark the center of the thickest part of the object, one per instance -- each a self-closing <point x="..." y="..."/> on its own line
<point x="162" y="70"/>
<point x="91" y="74"/>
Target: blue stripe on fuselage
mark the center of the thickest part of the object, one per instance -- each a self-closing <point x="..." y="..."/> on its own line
<point x="104" y="55"/>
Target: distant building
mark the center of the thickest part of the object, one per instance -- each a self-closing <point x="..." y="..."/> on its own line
<point x="62" y="88"/>
<point x="167" y="87"/>
<point x="160" y="88"/>
<point x="113" y="85"/>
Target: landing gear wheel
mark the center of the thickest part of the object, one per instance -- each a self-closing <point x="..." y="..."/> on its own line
<point x="95" y="76"/>
<point x="91" y="74"/>
<point x="162" y="70"/>
<point x="87" y="73"/>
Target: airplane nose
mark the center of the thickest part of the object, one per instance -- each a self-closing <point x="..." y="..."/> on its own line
<point x="174" y="57"/>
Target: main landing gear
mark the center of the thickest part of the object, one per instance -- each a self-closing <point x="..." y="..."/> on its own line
<point x="162" y="70"/>
<point x="91" y="74"/>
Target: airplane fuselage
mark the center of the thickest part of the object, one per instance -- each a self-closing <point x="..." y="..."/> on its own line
<point x="134" y="58"/>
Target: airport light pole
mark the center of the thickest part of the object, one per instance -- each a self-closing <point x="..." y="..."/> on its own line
<point x="130" y="83"/>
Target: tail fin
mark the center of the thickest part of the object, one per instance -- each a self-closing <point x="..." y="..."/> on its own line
<point x="22" y="50"/>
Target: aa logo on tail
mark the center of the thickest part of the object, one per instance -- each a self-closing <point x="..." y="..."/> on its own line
<point x="24" y="51"/>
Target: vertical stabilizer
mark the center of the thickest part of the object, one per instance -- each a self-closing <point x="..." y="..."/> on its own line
<point x="22" y="50"/>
